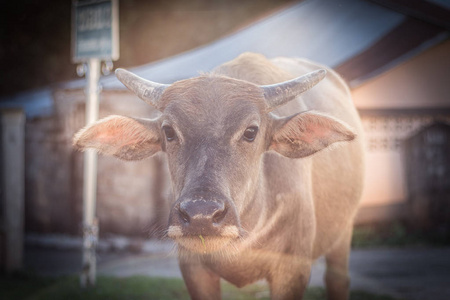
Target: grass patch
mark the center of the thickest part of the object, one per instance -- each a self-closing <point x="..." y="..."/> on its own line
<point x="21" y="285"/>
<point x="396" y="235"/>
<point x="390" y="235"/>
<point x="29" y="287"/>
<point x="261" y="292"/>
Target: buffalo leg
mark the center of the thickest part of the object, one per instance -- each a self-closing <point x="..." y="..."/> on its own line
<point x="202" y="284"/>
<point x="336" y="277"/>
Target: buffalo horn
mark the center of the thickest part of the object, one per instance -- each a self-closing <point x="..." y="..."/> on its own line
<point x="281" y="93"/>
<point x="147" y="90"/>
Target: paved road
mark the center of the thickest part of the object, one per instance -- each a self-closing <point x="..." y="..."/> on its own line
<point x="413" y="274"/>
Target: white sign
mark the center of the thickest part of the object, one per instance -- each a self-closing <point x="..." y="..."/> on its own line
<point x="95" y="30"/>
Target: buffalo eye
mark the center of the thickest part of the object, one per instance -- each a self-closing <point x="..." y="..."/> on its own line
<point x="250" y="133"/>
<point x="169" y="133"/>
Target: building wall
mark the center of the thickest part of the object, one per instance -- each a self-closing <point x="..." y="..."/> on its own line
<point x="385" y="136"/>
<point x="420" y="82"/>
<point x="395" y="106"/>
<point x="131" y="196"/>
<point x="50" y="204"/>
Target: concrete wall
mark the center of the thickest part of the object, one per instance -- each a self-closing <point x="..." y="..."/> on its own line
<point x="386" y="195"/>
<point x="394" y="107"/>
<point x="131" y="196"/>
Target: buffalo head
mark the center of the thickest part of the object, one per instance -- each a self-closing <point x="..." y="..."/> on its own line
<point x="214" y="130"/>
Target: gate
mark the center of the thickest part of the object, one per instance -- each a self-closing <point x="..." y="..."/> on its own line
<point x="428" y="177"/>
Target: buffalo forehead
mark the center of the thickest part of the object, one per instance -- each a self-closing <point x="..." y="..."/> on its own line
<point x="212" y="103"/>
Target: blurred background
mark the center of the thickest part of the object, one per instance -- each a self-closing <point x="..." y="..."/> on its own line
<point x="36" y="35"/>
<point x="394" y="54"/>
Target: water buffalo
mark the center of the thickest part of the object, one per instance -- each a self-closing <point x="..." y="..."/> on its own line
<point x="266" y="172"/>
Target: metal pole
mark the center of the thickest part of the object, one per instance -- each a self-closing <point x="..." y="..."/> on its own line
<point x="90" y="226"/>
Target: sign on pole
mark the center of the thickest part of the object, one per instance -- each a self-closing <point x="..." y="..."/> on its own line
<point x="95" y="37"/>
<point x="95" y="30"/>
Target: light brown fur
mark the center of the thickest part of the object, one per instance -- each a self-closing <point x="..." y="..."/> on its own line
<point x="291" y="198"/>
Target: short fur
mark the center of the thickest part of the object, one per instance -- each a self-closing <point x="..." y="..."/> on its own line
<point x="245" y="209"/>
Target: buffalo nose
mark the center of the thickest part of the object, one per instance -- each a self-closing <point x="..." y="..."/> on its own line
<point x="202" y="212"/>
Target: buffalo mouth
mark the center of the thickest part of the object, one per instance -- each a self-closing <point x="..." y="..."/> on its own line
<point x="202" y="243"/>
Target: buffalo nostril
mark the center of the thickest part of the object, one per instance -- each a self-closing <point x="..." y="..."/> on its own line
<point x="201" y="212"/>
<point x="219" y="215"/>
<point x="184" y="215"/>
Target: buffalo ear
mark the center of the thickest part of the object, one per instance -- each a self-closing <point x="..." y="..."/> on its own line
<point x="123" y="137"/>
<point x="306" y="133"/>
